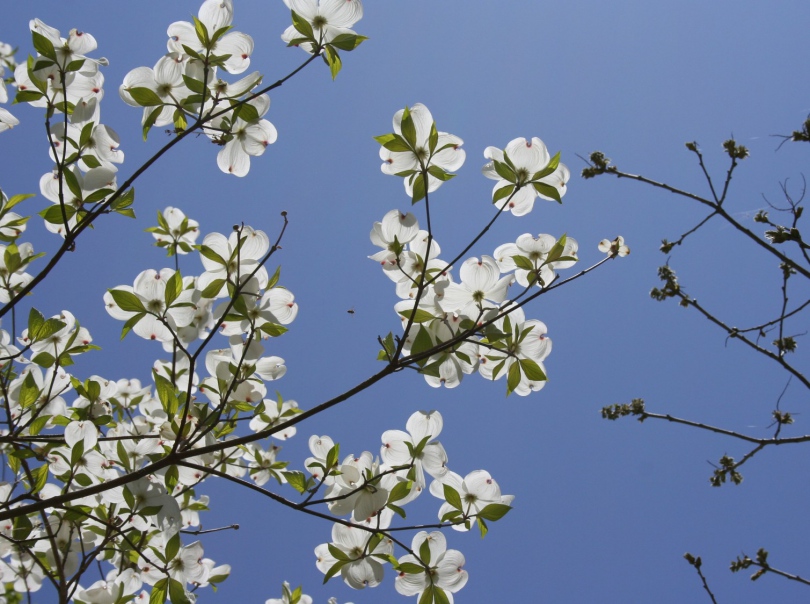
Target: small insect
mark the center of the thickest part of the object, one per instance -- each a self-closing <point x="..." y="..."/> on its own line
<point x="351" y="311"/>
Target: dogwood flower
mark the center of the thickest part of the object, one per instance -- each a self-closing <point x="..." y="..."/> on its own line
<point x="214" y="15"/>
<point x="524" y="171"/>
<point x="476" y="490"/>
<point x="290" y="597"/>
<point x="363" y="569"/>
<point x="237" y="256"/>
<point x="441" y="567"/>
<point x="395" y="231"/>
<point x="480" y="288"/>
<point x="403" y="448"/>
<point x="614" y="248"/>
<point x="416" y="150"/>
<point x="328" y="19"/>
<point x="534" y="251"/>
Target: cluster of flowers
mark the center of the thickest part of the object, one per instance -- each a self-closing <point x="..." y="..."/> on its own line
<point x="184" y="86"/>
<point x="64" y="81"/>
<point x="437" y="310"/>
<point x="112" y="429"/>
<point x="372" y="491"/>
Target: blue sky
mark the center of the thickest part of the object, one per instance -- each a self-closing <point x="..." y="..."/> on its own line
<point x="603" y="511"/>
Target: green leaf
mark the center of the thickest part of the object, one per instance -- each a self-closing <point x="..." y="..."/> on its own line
<point x="332" y="456"/>
<point x="482" y="526"/>
<point x="177" y="593"/>
<point x="274" y="279"/>
<point x="556" y="252"/>
<point x="131" y="323"/>
<point x="424" y="552"/>
<point x="74" y="65"/>
<point x="29" y="392"/>
<point x="27" y="96"/>
<point x="393" y="142"/>
<point x="174" y="287"/>
<point x="172" y="477"/>
<point x="86" y="134"/>
<point x="303" y="26"/>
<point x="433" y="138"/>
<point x="14" y="200"/>
<point x="347" y="42"/>
<point x="212" y="255"/>
<point x="91" y="161"/>
<point x="125" y="200"/>
<point x="22" y="527"/>
<point x="452" y="497"/>
<point x="338" y="554"/>
<point x="550" y="167"/>
<point x="434" y="368"/>
<point x="35" y="322"/>
<point x="296" y="480"/>
<point x="400" y="491"/>
<point x="145" y="97"/>
<point x="523" y="262"/>
<point x="213" y="288"/>
<point x="332" y="59"/>
<point x="494" y="511"/>
<point x="502" y="193"/>
<point x="53" y="214"/>
<point x="512" y="378"/>
<point x="72" y="183"/>
<point x="273" y="330"/>
<point x="202" y="35"/>
<point x="335" y="569"/>
<point x="547" y="191"/>
<point x="421" y="343"/>
<point x="99" y="195"/>
<point x="532" y="370"/>
<point x="38" y="424"/>
<point x="437" y="172"/>
<point x="127" y="301"/>
<point x="173" y="545"/>
<point x="158" y="594"/>
<point x="408" y="128"/>
<point x="439" y="597"/>
<point x="419" y="188"/>
<point x="150" y="121"/>
<point x="43" y="45"/>
<point x="40" y="476"/>
<point x="504" y="171"/>
<point x="246" y="112"/>
<point x="420" y="316"/>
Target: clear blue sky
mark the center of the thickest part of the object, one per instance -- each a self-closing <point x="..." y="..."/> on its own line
<point x="603" y="512"/>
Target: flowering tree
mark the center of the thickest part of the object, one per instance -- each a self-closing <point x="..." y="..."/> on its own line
<point x="104" y="476"/>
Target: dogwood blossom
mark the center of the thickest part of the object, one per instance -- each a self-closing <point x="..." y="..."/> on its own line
<point x="524" y="171"/>
<point x="417" y="151"/>
<point x="327" y="18"/>
<point x="441" y="567"/>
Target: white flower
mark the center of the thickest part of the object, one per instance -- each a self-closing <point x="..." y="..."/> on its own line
<point x="416" y="146"/>
<point x="214" y="15"/>
<point x="476" y="490"/>
<point x="444" y="567"/>
<point x="328" y="19"/>
<point x="614" y="248"/>
<point x="480" y="287"/>
<point x="363" y="570"/>
<point x="400" y="448"/>
<point x="531" y="173"/>
<point x="288" y="597"/>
